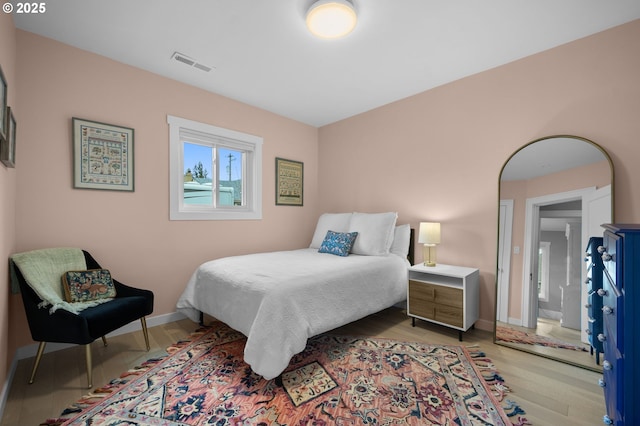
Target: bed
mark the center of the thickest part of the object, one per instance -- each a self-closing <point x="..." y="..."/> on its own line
<point x="280" y="299"/>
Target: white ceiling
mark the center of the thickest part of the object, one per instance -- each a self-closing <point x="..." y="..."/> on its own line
<point x="265" y="57"/>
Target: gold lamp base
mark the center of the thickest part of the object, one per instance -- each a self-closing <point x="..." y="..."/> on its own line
<point x="429" y="254"/>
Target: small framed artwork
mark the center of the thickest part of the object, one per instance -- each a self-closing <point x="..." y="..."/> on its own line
<point x="3" y="106"/>
<point x="289" y="182"/>
<point x="102" y="156"/>
<point x="8" y="144"/>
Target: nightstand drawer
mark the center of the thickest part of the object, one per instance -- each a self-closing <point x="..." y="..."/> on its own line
<point x="450" y="315"/>
<point x="442" y="313"/>
<point x="422" y="308"/>
<point x="440" y="295"/>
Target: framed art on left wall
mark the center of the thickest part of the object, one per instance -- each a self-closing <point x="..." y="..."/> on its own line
<point x="8" y="146"/>
<point x="102" y="156"/>
<point x="3" y="106"/>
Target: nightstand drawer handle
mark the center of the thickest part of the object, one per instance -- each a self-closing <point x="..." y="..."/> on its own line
<point x="607" y="420"/>
<point x="601" y="383"/>
<point x="606" y="365"/>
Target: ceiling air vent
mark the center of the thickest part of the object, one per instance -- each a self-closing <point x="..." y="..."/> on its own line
<point x="177" y="56"/>
<point x="202" y="67"/>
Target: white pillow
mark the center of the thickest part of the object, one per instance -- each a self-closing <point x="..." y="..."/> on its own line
<point x="375" y="233"/>
<point x="401" y="238"/>
<point x="337" y="222"/>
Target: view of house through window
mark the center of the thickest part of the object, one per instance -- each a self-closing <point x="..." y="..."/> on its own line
<point x="215" y="173"/>
<point x="201" y="163"/>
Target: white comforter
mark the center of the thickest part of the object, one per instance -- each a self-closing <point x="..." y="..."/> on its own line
<point x="280" y="299"/>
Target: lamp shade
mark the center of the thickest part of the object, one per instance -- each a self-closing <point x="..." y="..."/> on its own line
<point x="331" y="18"/>
<point x="429" y="233"/>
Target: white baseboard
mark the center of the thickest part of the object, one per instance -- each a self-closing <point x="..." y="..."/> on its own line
<point x="31" y="350"/>
<point x="515" y="321"/>
<point x="7" y="385"/>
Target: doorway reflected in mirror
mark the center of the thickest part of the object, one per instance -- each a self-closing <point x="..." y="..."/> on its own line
<point x="554" y="193"/>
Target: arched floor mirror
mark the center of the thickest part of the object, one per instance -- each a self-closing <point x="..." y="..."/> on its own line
<point x="554" y="193"/>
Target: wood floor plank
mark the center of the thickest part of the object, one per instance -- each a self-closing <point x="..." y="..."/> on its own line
<point x="552" y="393"/>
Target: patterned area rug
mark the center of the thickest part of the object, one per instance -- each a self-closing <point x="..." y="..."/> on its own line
<point x="508" y="334"/>
<point x="334" y="381"/>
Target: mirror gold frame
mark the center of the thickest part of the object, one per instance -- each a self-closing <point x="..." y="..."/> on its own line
<point x="558" y="164"/>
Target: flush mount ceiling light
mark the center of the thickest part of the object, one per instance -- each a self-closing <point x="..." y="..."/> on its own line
<point x="331" y="18"/>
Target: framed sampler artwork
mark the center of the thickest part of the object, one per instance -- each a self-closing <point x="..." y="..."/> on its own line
<point x="289" y="182"/>
<point x="102" y="156"/>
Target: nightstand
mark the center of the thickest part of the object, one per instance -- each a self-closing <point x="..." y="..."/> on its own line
<point x="444" y="294"/>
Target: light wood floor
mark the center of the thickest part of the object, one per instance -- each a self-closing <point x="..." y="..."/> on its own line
<point x="552" y="393"/>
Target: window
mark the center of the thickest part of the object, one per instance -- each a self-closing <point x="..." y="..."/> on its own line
<point x="215" y="173"/>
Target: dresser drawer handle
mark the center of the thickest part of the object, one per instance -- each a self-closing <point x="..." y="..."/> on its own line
<point x="602" y="337"/>
<point x="607" y="420"/>
<point x="606" y="365"/>
<point x="602" y="292"/>
<point x="601" y="383"/>
<point x="606" y="257"/>
<point x="608" y="310"/>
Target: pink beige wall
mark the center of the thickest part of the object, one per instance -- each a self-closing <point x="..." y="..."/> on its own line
<point x="130" y="232"/>
<point x="7" y="195"/>
<point x="437" y="155"/>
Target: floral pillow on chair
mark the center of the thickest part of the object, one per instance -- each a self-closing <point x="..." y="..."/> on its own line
<point x="84" y="286"/>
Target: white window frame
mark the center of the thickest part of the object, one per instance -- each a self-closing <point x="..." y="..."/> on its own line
<point x="545" y="259"/>
<point x="211" y="135"/>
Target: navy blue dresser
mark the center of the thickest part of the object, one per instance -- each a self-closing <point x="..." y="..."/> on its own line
<point x="621" y="321"/>
<point x="595" y="267"/>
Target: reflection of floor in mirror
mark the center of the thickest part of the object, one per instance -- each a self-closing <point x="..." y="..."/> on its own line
<point x="553" y="329"/>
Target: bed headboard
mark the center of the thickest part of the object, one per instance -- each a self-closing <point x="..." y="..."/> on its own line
<point x="411" y="255"/>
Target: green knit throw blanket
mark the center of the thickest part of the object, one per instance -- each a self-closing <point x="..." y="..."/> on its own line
<point x="43" y="269"/>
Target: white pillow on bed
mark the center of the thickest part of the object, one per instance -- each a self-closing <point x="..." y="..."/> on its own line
<point x="401" y="238"/>
<point x="375" y="232"/>
<point x="337" y="222"/>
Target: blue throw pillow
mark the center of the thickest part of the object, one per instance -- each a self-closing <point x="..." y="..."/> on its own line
<point x="338" y="243"/>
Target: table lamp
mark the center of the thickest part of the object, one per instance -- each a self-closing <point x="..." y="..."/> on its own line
<point x="429" y="235"/>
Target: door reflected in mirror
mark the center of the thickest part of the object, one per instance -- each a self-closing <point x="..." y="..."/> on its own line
<point x="554" y="194"/>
